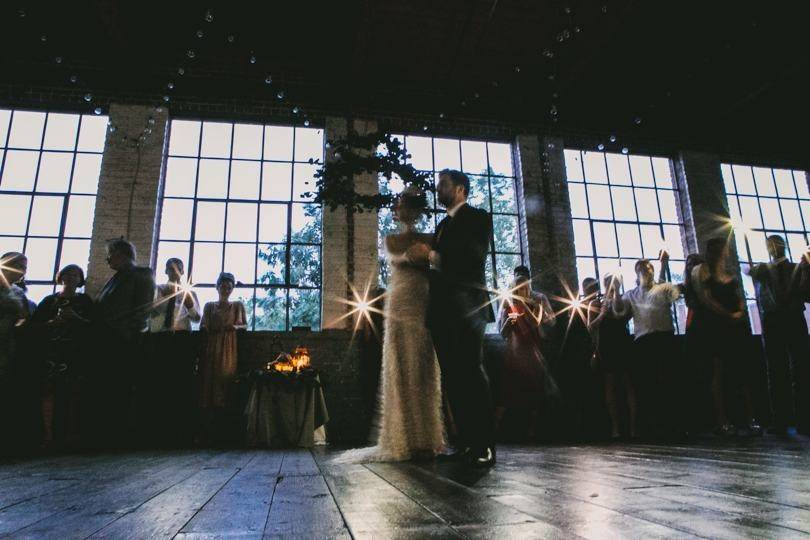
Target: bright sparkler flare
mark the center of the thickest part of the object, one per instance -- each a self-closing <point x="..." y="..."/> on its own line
<point x="361" y="307"/>
<point x="574" y="305"/>
<point x="11" y="269"/>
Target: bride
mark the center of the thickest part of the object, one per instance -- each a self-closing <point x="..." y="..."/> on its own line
<point x="409" y="423"/>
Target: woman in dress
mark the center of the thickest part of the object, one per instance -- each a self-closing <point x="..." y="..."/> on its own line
<point x="218" y="360"/>
<point x="524" y="369"/>
<point x="66" y="318"/>
<point x="720" y="329"/>
<point x="613" y="349"/>
<point x="409" y="423"/>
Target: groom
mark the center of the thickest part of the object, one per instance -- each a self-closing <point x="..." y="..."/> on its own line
<point x="458" y="314"/>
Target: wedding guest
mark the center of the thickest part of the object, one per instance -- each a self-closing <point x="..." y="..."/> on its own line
<point x="12" y="307"/>
<point x="720" y="328"/>
<point x="688" y="288"/>
<point x="124" y="304"/>
<point x="613" y="350"/>
<point x="218" y="361"/>
<point x="65" y="320"/>
<point x="521" y="319"/>
<point x="782" y="289"/>
<point x="655" y="350"/>
<point x="166" y="416"/>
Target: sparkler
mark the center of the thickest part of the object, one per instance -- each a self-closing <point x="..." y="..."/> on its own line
<point x="362" y="306"/>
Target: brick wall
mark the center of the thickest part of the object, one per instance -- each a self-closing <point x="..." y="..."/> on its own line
<point x="128" y="188"/>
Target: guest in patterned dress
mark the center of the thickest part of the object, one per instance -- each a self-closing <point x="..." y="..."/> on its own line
<point x="218" y="360"/>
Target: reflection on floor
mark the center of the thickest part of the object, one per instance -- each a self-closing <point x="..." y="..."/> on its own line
<point x="720" y="489"/>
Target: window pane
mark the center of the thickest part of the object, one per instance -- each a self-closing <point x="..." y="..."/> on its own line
<point x="247" y="141"/>
<point x="585" y="268"/>
<point x="305" y="266"/>
<point x="673" y="241"/>
<point x="216" y="140"/>
<point x="421" y="151"/>
<point x="303" y="181"/>
<point x="800" y="177"/>
<point x="207" y="263"/>
<point x="175" y="219"/>
<point x="573" y="166"/>
<point x="749" y="211"/>
<point x="54" y="172"/>
<point x="744" y="180"/>
<point x="764" y="181"/>
<point x="791" y="214"/>
<point x="582" y="237"/>
<point x="728" y="178"/>
<point x="75" y="252"/>
<point x="41" y="253"/>
<point x="240" y="260"/>
<point x="306" y="223"/>
<point x="505" y="231"/>
<point x="503" y="195"/>
<point x="92" y="133"/>
<point x="647" y="205"/>
<point x="185" y="138"/>
<point x="771" y="213"/>
<point x="651" y="241"/>
<point x="46" y="216"/>
<point x="663" y="172"/>
<point x="210" y="221"/>
<point x="604" y="236"/>
<point x="641" y="166"/>
<point x="61" y="131"/>
<point x="272" y="263"/>
<point x="276" y="181"/>
<point x="26" y="130"/>
<point x="5" y="120"/>
<point x="308" y="144"/>
<point x="595" y="170"/>
<point x="474" y="157"/>
<point x="273" y="223"/>
<point x="797" y="244"/>
<point x="242" y="222"/>
<point x="669" y="208"/>
<point x="504" y="269"/>
<point x="806" y="212"/>
<point x="623" y="204"/>
<point x="447" y="154"/>
<point x="305" y="308"/>
<point x="181" y="177"/>
<point x="618" y="169"/>
<point x="278" y="143"/>
<point x="629" y="240"/>
<point x="168" y="250"/>
<point x="8" y="243"/>
<point x="784" y="183"/>
<point x="579" y="206"/>
<point x="244" y="180"/>
<point x="213" y="182"/>
<point x="86" y="172"/>
<point x="271" y="309"/>
<point x="20" y="170"/>
<point x="500" y="158"/>
<point x="81" y="210"/>
<point x="479" y="192"/>
<point x="599" y="202"/>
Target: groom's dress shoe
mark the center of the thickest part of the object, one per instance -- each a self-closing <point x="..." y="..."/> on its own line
<point x="482" y="459"/>
<point x="459" y="455"/>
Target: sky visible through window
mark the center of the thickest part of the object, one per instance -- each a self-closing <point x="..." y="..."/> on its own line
<point x="49" y="170"/>
<point x="624" y="207"/>
<point x="763" y="201"/>
<point x="233" y="201"/>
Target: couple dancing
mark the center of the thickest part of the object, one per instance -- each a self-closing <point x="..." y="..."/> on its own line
<point x="436" y="313"/>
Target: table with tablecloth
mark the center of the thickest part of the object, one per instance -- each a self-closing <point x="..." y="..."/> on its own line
<point x="285" y="409"/>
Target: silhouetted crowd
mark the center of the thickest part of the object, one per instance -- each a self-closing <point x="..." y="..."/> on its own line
<point x="114" y="371"/>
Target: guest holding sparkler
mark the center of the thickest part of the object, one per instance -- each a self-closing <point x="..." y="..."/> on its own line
<point x="613" y="350"/>
<point x="13" y="308"/>
<point x="720" y="328"/>
<point x="782" y="289"/>
<point x="176" y="305"/>
<point x="655" y="350"/>
<point x="523" y="315"/>
<point x="218" y="360"/>
<point x="65" y="319"/>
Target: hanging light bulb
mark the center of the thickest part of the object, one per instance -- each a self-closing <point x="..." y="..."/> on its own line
<point x="170" y="86"/>
<point x="252" y="59"/>
<point x="97" y="110"/>
<point x="268" y="80"/>
<point x="637" y="120"/>
<point x="58" y="59"/>
<point x="600" y="147"/>
<point x="43" y="38"/>
<point x="166" y="98"/>
<point x="88" y="97"/>
<point x="230" y="39"/>
<point x="200" y="34"/>
<point x="613" y="138"/>
<point x="306" y="123"/>
<point x="625" y="150"/>
<point x="73" y="78"/>
<point x="295" y="110"/>
<point x="209" y="15"/>
<point x="280" y="94"/>
<point x="190" y="53"/>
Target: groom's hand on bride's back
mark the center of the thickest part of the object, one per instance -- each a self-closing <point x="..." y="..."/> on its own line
<point x="418" y="253"/>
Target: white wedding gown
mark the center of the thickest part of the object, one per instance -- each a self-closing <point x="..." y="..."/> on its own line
<point x="409" y="420"/>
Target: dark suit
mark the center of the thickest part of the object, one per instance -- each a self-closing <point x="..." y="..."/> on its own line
<point x="124" y="305"/>
<point x="458" y="314"/>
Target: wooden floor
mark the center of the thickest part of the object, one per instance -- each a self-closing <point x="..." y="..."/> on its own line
<point x="740" y="489"/>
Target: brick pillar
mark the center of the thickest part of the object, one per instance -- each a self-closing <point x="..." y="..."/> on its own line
<point x="703" y="201"/>
<point x="549" y="234"/>
<point x="366" y="224"/>
<point x="128" y="188"/>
